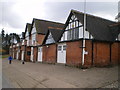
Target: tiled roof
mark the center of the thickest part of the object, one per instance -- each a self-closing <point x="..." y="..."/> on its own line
<point x="98" y="27"/>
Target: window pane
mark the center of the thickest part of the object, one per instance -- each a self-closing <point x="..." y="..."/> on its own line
<point x="68" y="35"/>
<point x="73" y="33"/>
<point x="40" y="49"/>
<point x="81" y="32"/>
<point x="87" y="34"/>
<point x="64" y="47"/>
<point x="59" y="48"/>
<point x="76" y="33"/>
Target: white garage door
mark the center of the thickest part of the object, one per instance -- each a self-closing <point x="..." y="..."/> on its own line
<point x="61" y="53"/>
<point x="22" y="56"/>
<point x="40" y="54"/>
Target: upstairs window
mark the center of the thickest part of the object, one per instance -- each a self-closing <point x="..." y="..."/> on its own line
<point x="74" y="30"/>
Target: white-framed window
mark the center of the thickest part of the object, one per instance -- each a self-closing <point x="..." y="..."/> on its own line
<point x="74" y="30"/>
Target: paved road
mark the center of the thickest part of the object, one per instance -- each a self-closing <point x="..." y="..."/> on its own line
<point x="38" y="75"/>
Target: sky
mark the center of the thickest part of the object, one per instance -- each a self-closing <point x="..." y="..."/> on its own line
<point x="14" y="14"/>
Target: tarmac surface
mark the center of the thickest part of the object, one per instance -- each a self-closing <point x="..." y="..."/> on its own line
<point x="39" y="75"/>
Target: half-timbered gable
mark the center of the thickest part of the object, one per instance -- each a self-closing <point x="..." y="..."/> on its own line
<point x="27" y="33"/>
<point x="53" y="36"/>
<point x="49" y="39"/>
<point x="96" y="28"/>
<point x="74" y="29"/>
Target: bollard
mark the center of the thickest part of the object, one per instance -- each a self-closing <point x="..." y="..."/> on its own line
<point x="23" y="62"/>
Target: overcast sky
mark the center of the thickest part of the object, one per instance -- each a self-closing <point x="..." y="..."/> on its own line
<point x="14" y="14"/>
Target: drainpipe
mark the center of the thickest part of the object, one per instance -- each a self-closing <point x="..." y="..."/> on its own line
<point x="83" y="46"/>
<point x="23" y="62"/>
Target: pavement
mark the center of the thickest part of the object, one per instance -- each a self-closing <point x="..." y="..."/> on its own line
<point x="6" y="83"/>
<point x="39" y="75"/>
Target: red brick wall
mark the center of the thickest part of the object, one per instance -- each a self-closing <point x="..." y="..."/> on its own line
<point x="27" y="57"/>
<point x="22" y="48"/>
<point x="19" y="58"/>
<point x="101" y="54"/>
<point x="40" y="38"/>
<point x="88" y="57"/>
<point x="50" y="53"/>
<point x="74" y="53"/>
<point x="119" y="53"/>
<point x="14" y="53"/>
<point x="35" y="52"/>
<point x="114" y="53"/>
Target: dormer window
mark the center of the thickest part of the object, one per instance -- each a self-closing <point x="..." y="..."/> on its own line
<point x="50" y="39"/>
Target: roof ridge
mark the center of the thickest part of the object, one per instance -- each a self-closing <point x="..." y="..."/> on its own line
<point x="29" y="23"/>
<point x="47" y="21"/>
<point x="91" y="15"/>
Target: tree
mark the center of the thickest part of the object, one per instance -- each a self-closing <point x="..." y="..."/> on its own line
<point x="14" y="38"/>
<point x="8" y="39"/>
<point x="3" y="34"/>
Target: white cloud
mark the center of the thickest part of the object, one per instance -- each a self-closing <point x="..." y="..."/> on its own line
<point x="8" y="29"/>
<point x="19" y="12"/>
<point x="105" y="15"/>
<point x="30" y="10"/>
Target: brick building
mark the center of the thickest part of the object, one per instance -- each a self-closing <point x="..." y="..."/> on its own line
<point x="52" y="42"/>
<point x="38" y="32"/>
<point x="101" y="45"/>
<point x="100" y="39"/>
